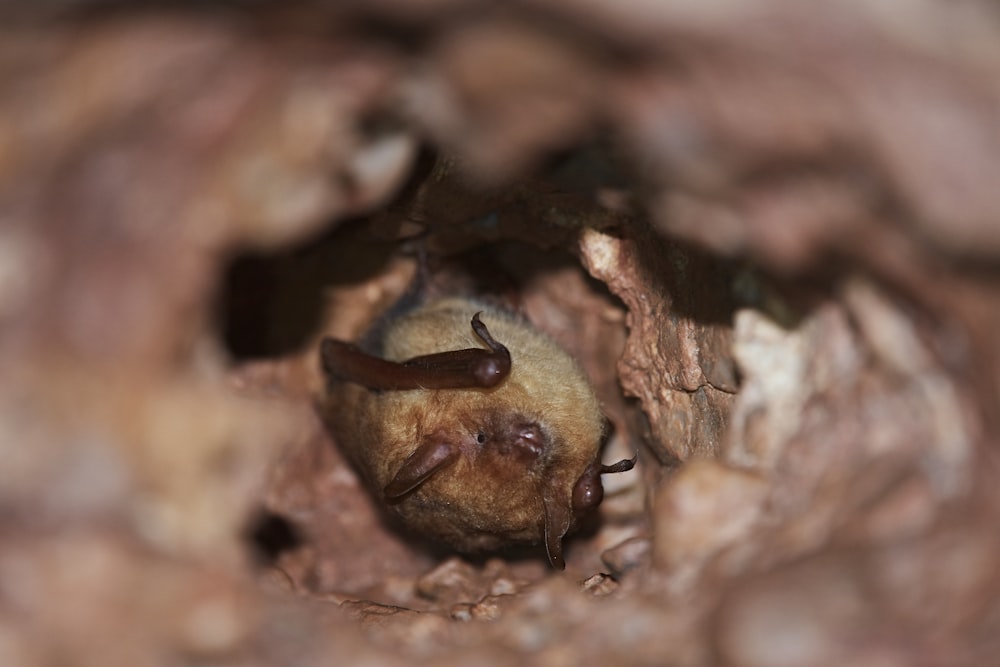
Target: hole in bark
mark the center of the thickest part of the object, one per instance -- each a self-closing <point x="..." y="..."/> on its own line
<point x="256" y="286"/>
<point x="271" y="303"/>
<point x="270" y="535"/>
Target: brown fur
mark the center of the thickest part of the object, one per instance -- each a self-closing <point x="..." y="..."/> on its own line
<point x="492" y="495"/>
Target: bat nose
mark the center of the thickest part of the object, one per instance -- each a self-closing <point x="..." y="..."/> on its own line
<point x="530" y="438"/>
<point x="523" y="440"/>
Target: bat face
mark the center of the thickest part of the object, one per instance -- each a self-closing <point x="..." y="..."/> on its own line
<point x="473" y="427"/>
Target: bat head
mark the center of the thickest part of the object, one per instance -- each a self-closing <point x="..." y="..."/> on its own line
<point x="488" y="484"/>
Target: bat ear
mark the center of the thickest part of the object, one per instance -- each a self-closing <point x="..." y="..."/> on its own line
<point x="558" y="517"/>
<point x="426" y="460"/>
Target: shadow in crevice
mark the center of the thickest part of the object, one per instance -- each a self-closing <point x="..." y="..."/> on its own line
<point x="269" y="535"/>
<point x="271" y="303"/>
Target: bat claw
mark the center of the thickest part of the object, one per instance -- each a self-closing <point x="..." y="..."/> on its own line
<point x="621" y="466"/>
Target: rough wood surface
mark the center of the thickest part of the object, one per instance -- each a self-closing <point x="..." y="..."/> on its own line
<point x="767" y="230"/>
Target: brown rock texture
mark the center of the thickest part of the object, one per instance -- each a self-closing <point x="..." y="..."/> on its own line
<point x="768" y="232"/>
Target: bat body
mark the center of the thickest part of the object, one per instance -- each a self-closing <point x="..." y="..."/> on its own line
<point x="472" y="426"/>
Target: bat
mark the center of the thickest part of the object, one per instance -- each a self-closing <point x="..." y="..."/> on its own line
<point x="471" y="425"/>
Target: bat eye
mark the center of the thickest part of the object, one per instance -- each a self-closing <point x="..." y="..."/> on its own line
<point x="481" y="438"/>
<point x="588" y="492"/>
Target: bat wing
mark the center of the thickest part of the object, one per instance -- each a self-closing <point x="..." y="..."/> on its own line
<point x="426" y="460"/>
<point x="455" y="369"/>
<point x="558" y="518"/>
